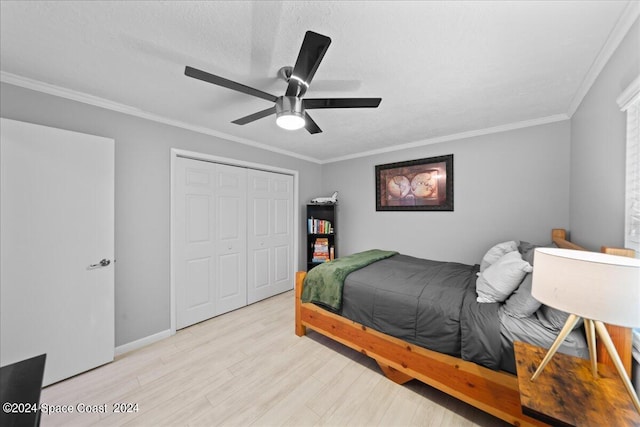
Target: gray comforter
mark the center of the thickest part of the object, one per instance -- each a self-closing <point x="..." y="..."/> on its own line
<point x="428" y="303"/>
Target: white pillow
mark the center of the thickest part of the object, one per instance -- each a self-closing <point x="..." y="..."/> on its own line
<point x="501" y="278"/>
<point x="496" y="252"/>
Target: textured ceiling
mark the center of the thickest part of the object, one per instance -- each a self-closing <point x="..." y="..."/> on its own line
<point x="441" y="68"/>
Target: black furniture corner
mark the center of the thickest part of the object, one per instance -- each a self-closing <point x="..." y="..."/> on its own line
<point x="20" y="386"/>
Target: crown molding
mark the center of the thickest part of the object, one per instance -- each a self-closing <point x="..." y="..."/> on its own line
<point x="96" y="101"/>
<point x="628" y="17"/>
<point x="62" y="92"/>
<point x="630" y="95"/>
<point x="457" y="136"/>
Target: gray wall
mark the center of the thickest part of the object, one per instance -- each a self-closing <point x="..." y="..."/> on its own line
<point x="509" y="185"/>
<point x="142" y="195"/>
<point x="598" y="144"/>
<point x="512" y="185"/>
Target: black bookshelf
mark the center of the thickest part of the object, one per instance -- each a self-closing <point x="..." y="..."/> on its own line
<point x="321" y="229"/>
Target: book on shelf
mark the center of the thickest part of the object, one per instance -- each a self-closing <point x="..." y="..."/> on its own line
<point x="319" y="226"/>
<point x="321" y="250"/>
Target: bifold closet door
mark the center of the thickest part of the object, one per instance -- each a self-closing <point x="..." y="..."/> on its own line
<point x="270" y="234"/>
<point x="210" y="240"/>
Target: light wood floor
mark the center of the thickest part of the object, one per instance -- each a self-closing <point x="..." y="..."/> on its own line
<point x="248" y="368"/>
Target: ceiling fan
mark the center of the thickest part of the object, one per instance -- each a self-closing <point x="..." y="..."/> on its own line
<point x="290" y="109"/>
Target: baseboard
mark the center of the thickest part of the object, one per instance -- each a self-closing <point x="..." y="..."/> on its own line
<point x="142" y="342"/>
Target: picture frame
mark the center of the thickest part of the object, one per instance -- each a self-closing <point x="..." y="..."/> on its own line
<point x="415" y="185"/>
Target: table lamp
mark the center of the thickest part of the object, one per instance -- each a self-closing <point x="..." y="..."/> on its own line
<point x="594" y="286"/>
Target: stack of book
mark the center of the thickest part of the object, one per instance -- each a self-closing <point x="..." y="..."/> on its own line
<point x="319" y="226"/>
<point x="321" y="251"/>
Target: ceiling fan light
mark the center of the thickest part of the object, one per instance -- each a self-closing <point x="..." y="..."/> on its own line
<point x="289" y="113"/>
<point x="290" y="121"/>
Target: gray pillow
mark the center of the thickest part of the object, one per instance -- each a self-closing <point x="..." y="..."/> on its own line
<point x="552" y="318"/>
<point x="527" y="249"/>
<point x="496" y="252"/>
<point x="501" y="278"/>
<point x="521" y="303"/>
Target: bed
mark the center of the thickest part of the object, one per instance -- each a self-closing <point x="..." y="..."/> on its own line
<point x="480" y="374"/>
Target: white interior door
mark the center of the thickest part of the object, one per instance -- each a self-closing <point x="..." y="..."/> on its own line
<point x="57" y="219"/>
<point x="209" y="241"/>
<point x="270" y="234"/>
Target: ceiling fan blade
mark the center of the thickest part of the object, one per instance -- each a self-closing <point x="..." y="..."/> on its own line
<point x="221" y="81"/>
<point x="310" y="125"/>
<point x="314" y="46"/>
<point x="311" y="103"/>
<point x="255" y="116"/>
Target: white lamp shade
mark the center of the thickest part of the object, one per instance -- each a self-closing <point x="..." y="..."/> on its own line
<point x="591" y="285"/>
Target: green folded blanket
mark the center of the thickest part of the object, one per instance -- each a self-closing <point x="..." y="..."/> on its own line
<point x="323" y="284"/>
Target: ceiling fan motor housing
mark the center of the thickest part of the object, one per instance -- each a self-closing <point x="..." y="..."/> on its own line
<point x="289" y="105"/>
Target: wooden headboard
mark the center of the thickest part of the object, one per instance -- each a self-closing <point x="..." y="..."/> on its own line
<point x="622" y="337"/>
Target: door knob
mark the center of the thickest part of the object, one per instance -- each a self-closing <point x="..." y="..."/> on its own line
<point x="103" y="263"/>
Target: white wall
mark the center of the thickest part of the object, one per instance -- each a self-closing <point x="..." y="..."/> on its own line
<point x="142" y="196"/>
<point x="598" y="144"/>
<point x="509" y="185"/>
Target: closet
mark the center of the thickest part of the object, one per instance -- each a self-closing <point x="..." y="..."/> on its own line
<point x="233" y="237"/>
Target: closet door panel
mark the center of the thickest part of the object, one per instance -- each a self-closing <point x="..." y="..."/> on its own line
<point x="282" y="217"/>
<point x="270" y="234"/>
<point x="261" y="217"/>
<point x="194" y="242"/>
<point x="261" y="268"/>
<point x="228" y="277"/>
<point x="231" y="228"/>
<point x="282" y="264"/>
<point x="198" y="275"/>
<point x="259" y="276"/>
<point x="282" y="231"/>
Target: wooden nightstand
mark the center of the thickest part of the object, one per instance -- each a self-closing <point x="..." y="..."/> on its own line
<point x="566" y="394"/>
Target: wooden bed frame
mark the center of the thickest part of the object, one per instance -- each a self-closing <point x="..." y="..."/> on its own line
<point x="495" y="392"/>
